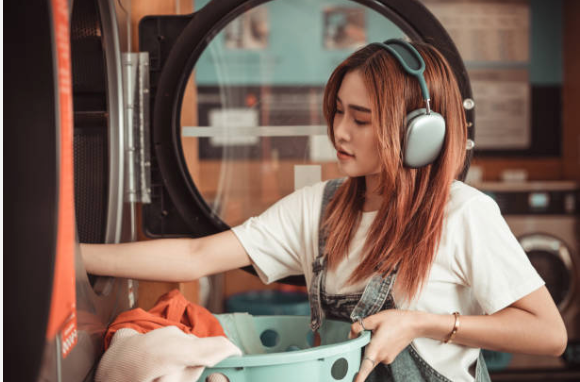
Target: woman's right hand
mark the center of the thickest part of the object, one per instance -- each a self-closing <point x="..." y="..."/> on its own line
<point x="393" y="330"/>
<point x="175" y="260"/>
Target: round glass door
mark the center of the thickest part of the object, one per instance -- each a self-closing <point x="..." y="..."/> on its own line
<point x="554" y="263"/>
<point x="252" y="129"/>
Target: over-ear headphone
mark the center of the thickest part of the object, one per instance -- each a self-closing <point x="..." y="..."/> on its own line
<point x="425" y="129"/>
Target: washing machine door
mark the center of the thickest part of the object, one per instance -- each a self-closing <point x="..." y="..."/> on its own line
<point x="66" y="144"/>
<point x="102" y="213"/>
<point x="554" y="262"/>
<point x="236" y="90"/>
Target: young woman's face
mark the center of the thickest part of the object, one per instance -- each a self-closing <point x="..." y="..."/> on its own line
<point x="354" y="134"/>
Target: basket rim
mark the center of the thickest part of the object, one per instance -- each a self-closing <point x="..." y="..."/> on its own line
<point x="311" y="354"/>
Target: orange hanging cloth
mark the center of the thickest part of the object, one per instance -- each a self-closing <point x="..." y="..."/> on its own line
<point x="172" y="309"/>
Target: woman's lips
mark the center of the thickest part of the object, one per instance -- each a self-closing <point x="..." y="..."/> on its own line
<point x="341" y="155"/>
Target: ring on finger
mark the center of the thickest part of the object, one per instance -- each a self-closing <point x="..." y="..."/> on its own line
<point x="360" y="321"/>
<point x="371" y="360"/>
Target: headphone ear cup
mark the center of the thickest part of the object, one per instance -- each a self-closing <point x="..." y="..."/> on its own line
<point x="425" y="134"/>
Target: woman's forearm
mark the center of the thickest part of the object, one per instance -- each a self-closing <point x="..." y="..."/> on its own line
<point x="512" y="332"/>
<point x="512" y="329"/>
<point x="156" y="260"/>
<point x="177" y="260"/>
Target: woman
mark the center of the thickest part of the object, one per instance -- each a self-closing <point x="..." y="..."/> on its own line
<point x="424" y="261"/>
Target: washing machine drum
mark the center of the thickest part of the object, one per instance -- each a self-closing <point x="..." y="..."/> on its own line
<point x="551" y="258"/>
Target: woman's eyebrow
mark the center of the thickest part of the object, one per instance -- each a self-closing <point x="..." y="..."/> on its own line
<point x="355" y="107"/>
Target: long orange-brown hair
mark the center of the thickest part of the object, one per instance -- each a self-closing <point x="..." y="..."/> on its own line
<point x="406" y="231"/>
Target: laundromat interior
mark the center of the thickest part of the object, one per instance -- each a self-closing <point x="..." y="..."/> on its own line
<point x="138" y="120"/>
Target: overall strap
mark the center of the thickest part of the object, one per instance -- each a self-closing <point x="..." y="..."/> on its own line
<point x="374" y="296"/>
<point x="329" y="191"/>
<point x="320" y="262"/>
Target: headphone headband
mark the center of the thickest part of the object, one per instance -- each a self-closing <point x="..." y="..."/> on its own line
<point x="410" y="60"/>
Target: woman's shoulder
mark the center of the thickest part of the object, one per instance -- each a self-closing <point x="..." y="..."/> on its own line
<point x="319" y="187"/>
<point x="311" y="193"/>
<point x="299" y="205"/>
<point x="463" y="196"/>
<point x="314" y="188"/>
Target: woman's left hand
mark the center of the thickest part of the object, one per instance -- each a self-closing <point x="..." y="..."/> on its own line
<point x="392" y="331"/>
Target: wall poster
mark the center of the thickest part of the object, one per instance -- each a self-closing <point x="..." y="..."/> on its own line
<point x="486" y="30"/>
<point x="493" y="38"/>
<point x="502" y="108"/>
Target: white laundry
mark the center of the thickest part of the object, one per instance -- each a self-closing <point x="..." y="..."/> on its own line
<point x="161" y="355"/>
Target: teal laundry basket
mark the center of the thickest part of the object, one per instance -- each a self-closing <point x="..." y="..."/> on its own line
<point x="289" y="355"/>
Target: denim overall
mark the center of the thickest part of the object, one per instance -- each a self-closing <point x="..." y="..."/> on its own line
<point x="377" y="296"/>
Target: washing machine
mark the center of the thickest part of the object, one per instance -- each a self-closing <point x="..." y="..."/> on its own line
<point x="66" y="176"/>
<point x="544" y="216"/>
<point x="236" y="101"/>
<point x="217" y="117"/>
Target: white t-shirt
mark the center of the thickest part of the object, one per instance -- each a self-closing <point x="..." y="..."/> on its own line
<point x="479" y="268"/>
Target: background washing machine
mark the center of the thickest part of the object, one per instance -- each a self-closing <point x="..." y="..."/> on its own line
<point x="544" y="216"/>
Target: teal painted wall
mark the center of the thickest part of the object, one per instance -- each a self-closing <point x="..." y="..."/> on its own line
<point x="295" y="54"/>
<point x="546" y="42"/>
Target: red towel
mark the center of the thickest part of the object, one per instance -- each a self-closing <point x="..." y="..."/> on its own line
<point x="172" y="309"/>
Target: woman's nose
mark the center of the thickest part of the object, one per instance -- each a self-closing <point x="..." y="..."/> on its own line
<point x="341" y="129"/>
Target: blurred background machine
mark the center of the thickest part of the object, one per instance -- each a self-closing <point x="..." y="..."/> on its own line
<point x="545" y="218"/>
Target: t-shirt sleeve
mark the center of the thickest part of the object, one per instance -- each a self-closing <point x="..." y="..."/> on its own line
<point x="490" y="258"/>
<point x="277" y="240"/>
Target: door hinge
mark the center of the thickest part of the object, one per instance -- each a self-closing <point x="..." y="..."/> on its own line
<point x="137" y="138"/>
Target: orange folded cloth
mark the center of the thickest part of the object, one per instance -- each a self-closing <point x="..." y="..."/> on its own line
<point x="172" y="309"/>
